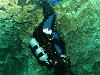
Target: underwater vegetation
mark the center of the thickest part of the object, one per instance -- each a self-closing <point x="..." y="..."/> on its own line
<point x="78" y="22"/>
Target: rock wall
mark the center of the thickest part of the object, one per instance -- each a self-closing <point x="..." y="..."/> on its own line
<point x="78" y="21"/>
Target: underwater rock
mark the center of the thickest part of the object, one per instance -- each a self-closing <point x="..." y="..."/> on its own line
<point x="78" y="21"/>
<point x="14" y="20"/>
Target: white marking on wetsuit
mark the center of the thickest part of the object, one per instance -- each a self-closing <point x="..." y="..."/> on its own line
<point x="47" y="31"/>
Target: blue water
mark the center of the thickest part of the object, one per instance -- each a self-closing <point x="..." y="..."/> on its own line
<point x="55" y="1"/>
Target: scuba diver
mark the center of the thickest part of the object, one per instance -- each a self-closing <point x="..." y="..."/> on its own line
<point x="47" y="44"/>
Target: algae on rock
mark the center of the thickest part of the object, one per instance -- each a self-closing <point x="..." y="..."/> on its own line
<point x="78" y="21"/>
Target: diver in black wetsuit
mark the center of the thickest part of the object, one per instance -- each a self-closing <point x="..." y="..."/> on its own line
<point x="48" y="38"/>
